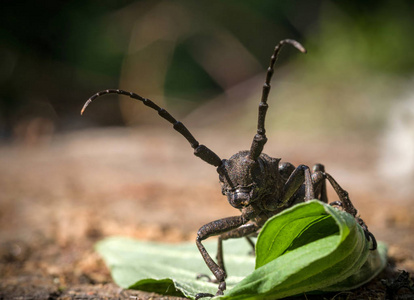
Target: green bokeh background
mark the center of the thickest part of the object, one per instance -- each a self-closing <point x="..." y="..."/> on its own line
<point x="184" y="54"/>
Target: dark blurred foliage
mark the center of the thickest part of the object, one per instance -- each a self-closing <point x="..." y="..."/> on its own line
<point x="48" y="48"/>
<point x="56" y="54"/>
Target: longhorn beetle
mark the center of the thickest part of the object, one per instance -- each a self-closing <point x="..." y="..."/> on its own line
<point x="258" y="185"/>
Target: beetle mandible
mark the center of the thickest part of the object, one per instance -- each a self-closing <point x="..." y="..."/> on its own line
<point x="258" y="185"/>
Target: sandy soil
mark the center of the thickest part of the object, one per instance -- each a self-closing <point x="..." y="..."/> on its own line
<point x="61" y="196"/>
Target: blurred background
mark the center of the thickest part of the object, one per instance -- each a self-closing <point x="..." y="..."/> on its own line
<point x="121" y="169"/>
<point x="187" y="56"/>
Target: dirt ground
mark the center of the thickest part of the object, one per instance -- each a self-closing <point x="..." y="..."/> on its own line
<point x="61" y="195"/>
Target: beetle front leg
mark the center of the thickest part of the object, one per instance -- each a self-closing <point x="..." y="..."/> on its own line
<point x="243" y="231"/>
<point x="211" y="229"/>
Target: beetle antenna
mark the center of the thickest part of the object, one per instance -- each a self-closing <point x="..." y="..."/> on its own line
<point x="260" y="139"/>
<point x="200" y="151"/>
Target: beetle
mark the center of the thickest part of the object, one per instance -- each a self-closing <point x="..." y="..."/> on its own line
<point x="256" y="184"/>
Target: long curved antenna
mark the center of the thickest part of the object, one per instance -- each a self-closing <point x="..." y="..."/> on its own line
<point x="200" y="151"/>
<point x="260" y="139"/>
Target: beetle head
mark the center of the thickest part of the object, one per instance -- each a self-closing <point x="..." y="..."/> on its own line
<point x="240" y="178"/>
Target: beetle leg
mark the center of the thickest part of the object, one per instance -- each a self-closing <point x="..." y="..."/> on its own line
<point x="347" y="205"/>
<point x="301" y="175"/>
<point x="286" y="169"/>
<point x="242" y="231"/>
<point x="211" y="229"/>
<point x="319" y="182"/>
<point x="343" y="196"/>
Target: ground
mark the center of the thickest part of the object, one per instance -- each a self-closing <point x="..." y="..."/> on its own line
<point x="62" y="194"/>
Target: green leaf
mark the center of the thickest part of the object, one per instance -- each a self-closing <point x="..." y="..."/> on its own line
<point x="171" y="269"/>
<point x="336" y="259"/>
<point x="309" y="247"/>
